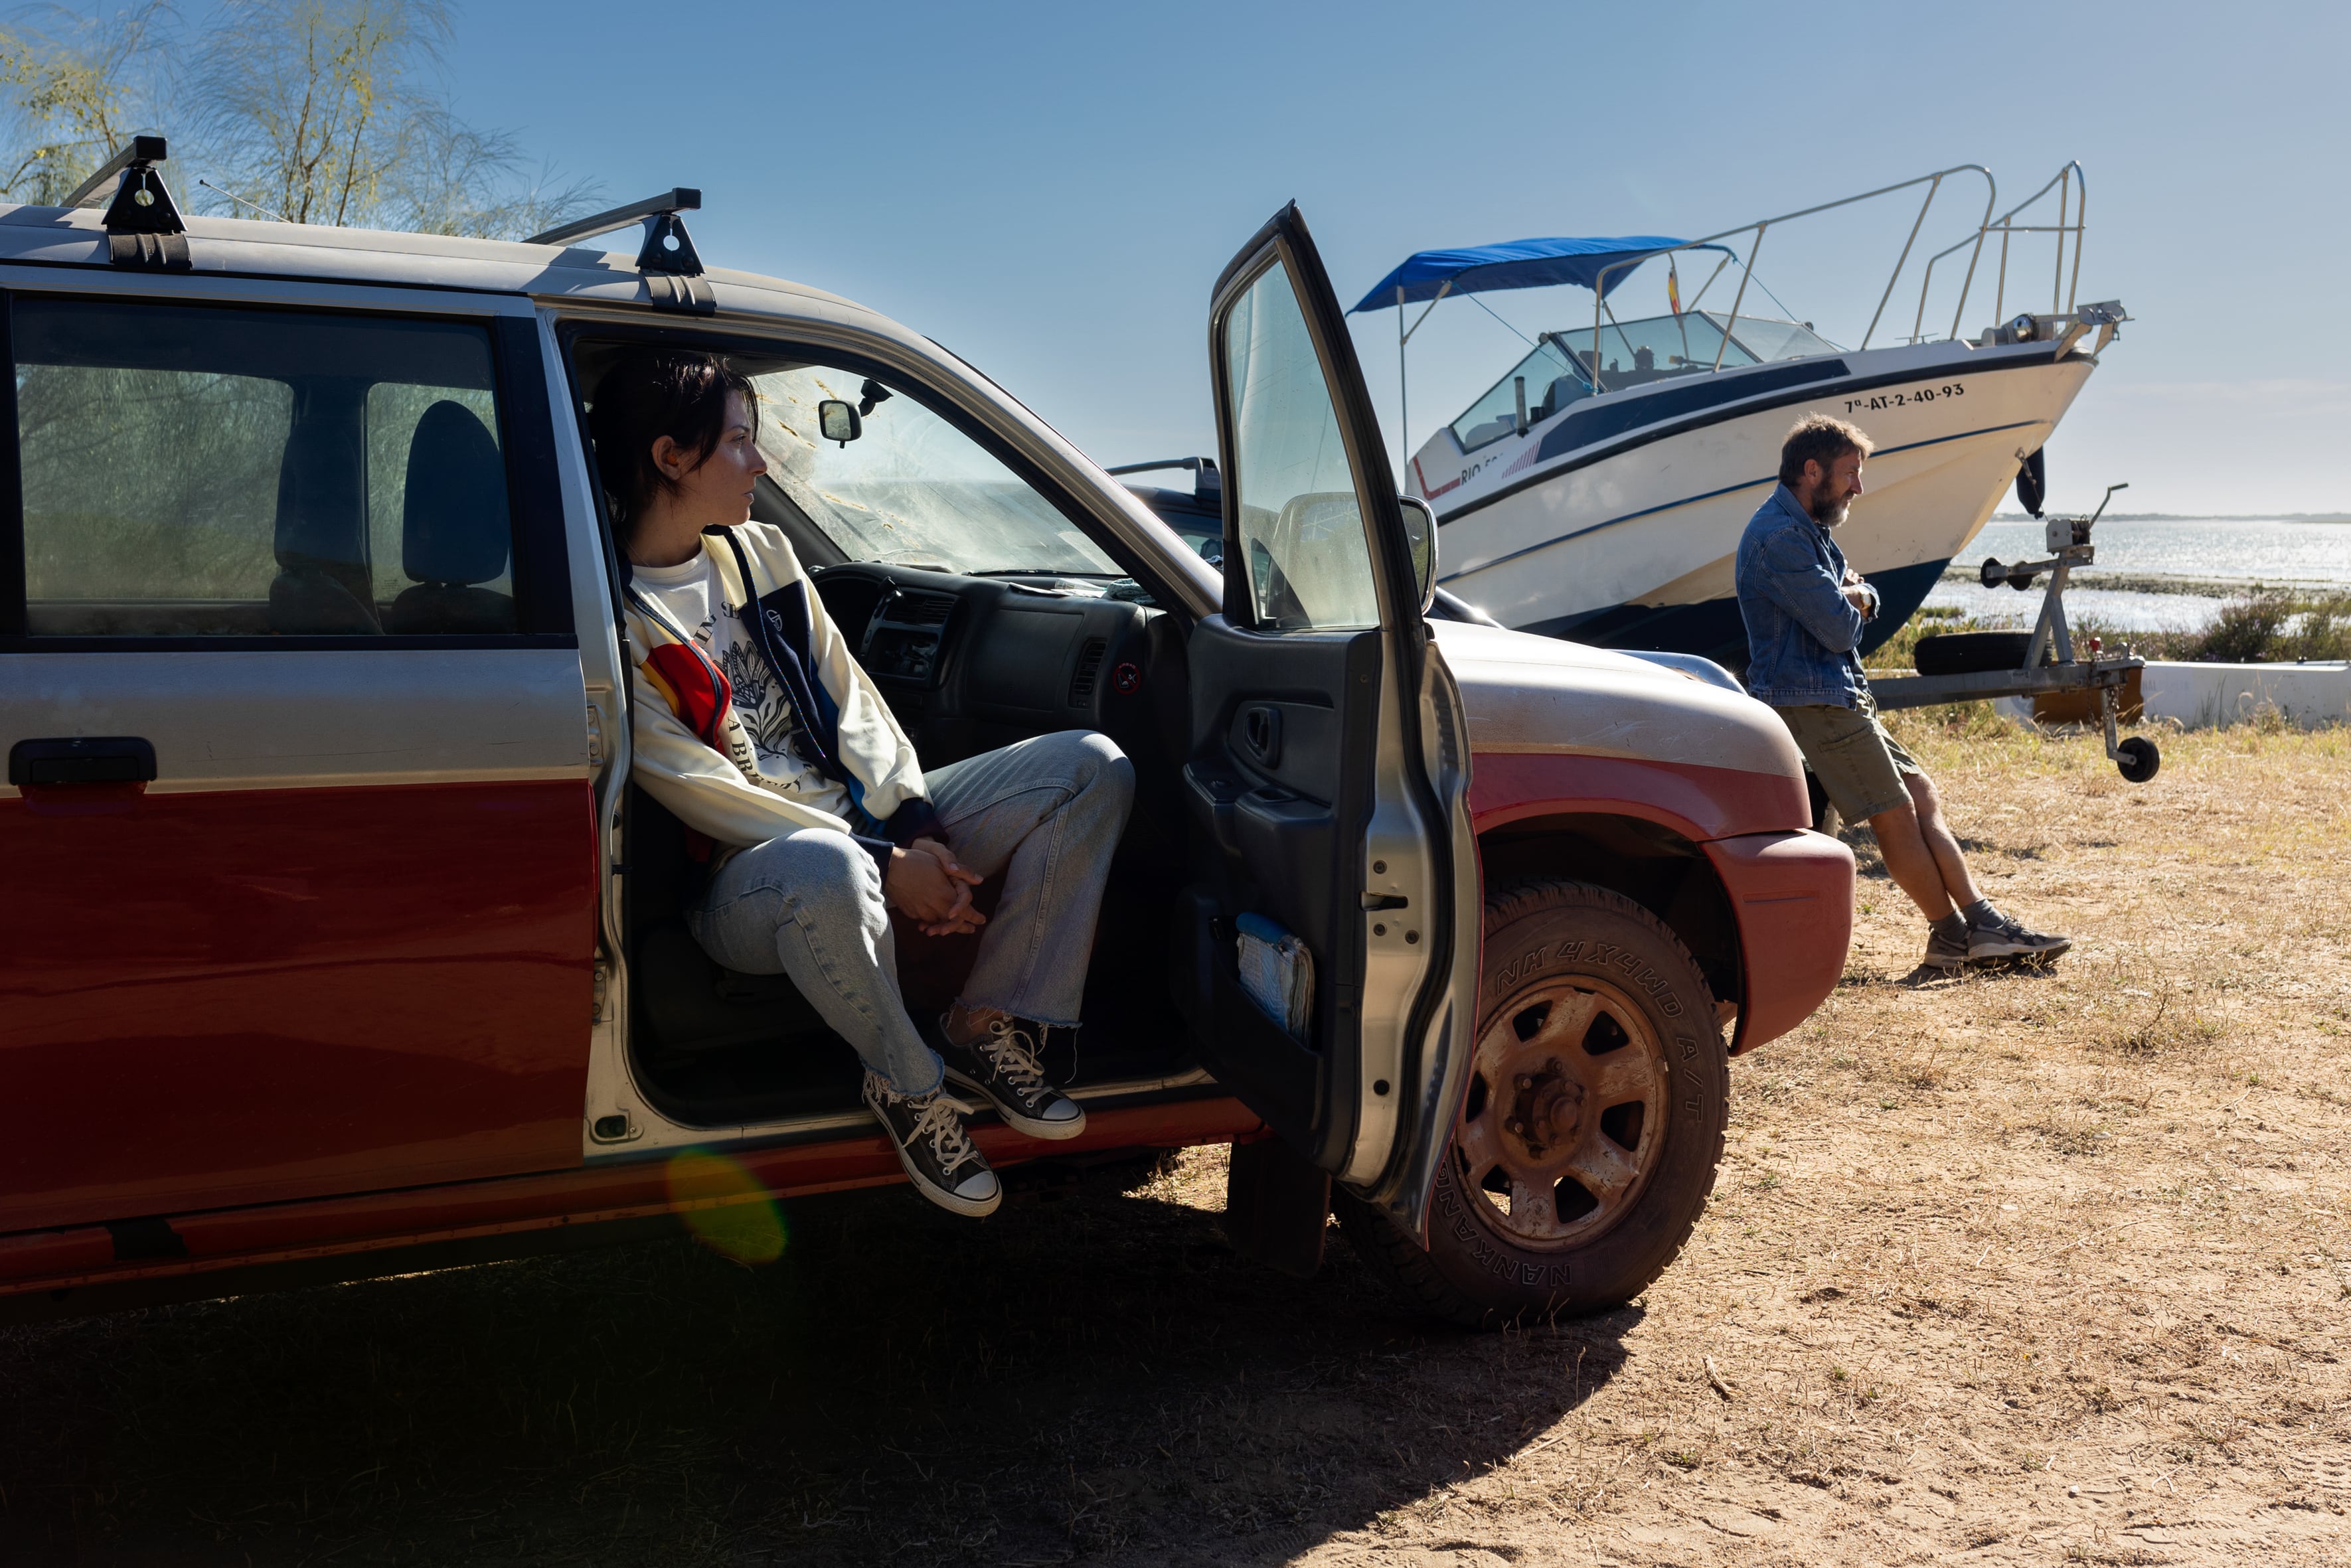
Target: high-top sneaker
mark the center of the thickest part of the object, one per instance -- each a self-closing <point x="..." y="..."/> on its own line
<point x="928" y="1132"/>
<point x="1002" y="1066"/>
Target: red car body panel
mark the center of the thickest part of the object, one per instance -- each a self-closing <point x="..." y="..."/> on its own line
<point x="1791" y="889"/>
<point x="75" y="1256"/>
<point x="397" y="981"/>
<point x="1793" y="893"/>
<point x="1696" y="801"/>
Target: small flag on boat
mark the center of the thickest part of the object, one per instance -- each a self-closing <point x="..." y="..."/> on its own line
<point x="1673" y="287"/>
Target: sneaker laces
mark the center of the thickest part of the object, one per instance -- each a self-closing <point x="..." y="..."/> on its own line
<point x="944" y="1126"/>
<point x="1010" y="1050"/>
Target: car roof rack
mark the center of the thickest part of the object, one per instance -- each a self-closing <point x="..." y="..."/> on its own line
<point x="144" y="227"/>
<point x="1207" y="485"/>
<point x="667" y="248"/>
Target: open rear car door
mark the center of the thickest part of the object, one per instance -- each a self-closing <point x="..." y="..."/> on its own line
<point x="1328" y="772"/>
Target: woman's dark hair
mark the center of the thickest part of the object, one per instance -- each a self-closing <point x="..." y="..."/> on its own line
<point x="648" y="394"/>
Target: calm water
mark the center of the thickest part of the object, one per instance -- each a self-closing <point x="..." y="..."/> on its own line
<point x="2195" y="547"/>
<point x="2203" y="547"/>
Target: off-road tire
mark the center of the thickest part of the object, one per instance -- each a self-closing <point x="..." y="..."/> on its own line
<point x="1539" y="937"/>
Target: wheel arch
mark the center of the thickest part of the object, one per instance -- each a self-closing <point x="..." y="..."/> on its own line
<point x="1663" y="870"/>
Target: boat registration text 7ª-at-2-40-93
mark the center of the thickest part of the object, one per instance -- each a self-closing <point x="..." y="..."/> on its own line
<point x="1904" y="399"/>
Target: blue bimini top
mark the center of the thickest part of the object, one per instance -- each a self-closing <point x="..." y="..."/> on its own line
<point x="1514" y="264"/>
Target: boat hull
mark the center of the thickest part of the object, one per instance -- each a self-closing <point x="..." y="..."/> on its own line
<point x="1629" y="541"/>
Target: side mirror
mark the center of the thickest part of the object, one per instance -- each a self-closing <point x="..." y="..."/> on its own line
<point x="1420" y="533"/>
<point x="838" y="420"/>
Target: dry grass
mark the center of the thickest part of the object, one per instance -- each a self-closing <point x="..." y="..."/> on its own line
<point x="2008" y="1269"/>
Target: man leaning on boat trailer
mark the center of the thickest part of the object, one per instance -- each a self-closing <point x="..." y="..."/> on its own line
<point x="1806" y="610"/>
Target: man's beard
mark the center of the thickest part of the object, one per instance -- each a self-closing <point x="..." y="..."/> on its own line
<point x="1831" y="517"/>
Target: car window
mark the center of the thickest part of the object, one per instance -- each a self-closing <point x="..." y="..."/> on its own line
<point x="196" y="471"/>
<point x="911" y="490"/>
<point x="395" y="411"/>
<point x="1301" y="535"/>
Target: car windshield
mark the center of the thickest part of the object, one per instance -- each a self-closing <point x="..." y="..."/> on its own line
<point x="910" y="489"/>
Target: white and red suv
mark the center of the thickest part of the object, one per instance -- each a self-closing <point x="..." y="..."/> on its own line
<point x="335" y="942"/>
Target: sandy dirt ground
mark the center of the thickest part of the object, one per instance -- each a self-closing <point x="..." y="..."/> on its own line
<point x="2010" y="1269"/>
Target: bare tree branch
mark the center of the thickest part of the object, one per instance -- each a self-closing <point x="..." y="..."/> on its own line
<point x="327" y="112"/>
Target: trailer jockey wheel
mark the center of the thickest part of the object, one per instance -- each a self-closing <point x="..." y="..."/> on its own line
<point x="2138" y="759"/>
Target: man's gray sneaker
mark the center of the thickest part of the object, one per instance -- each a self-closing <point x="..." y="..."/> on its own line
<point x="2004" y="938"/>
<point x="1002" y="1066"/>
<point x="1946" y="951"/>
<point x="928" y="1132"/>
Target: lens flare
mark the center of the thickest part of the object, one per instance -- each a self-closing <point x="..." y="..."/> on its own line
<point x="727" y="1208"/>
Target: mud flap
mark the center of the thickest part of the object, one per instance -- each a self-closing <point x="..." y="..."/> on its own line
<point x="1277" y="1207"/>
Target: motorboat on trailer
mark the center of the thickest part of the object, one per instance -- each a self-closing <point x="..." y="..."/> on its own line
<point x="1598" y="489"/>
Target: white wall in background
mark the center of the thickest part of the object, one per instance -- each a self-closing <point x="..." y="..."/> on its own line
<point x="2200" y="696"/>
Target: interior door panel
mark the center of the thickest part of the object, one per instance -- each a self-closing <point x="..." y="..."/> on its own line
<point x="1309" y="777"/>
<point x="1278" y="826"/>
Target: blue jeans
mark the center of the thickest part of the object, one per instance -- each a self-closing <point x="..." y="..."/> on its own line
<point x="1045" y="814"/>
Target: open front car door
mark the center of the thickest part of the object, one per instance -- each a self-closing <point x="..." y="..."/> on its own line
<point x="1333" y="916"/>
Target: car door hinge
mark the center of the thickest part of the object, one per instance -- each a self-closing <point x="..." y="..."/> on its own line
<point x="595" y="737"/>
<point x="600" y="987"/>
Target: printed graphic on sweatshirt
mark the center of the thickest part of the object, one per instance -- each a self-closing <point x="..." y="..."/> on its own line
<point x="764" y="707"/>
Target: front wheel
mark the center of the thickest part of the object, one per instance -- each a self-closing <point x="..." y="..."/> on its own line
<point x="1592" y="1124"/>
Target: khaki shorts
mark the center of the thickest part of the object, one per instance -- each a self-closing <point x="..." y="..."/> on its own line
<point x="1858" y="764"/>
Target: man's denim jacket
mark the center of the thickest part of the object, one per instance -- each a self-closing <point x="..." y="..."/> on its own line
<point x="1801" y="631"/>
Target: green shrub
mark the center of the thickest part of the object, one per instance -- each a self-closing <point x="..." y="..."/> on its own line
<point x="2266" y="626"/>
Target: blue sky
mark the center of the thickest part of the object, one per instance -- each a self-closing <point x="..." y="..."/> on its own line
<point x="1050" y="189"/>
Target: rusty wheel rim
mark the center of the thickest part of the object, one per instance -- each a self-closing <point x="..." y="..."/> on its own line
<point x="1567" y="1102"/>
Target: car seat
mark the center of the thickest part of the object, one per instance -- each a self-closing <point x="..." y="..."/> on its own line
<point x="320" y="539"/>
<point x="454" y="532"/>
<point x="683" y="1001"/>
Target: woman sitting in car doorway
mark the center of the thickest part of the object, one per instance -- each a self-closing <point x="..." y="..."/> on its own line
<point x="756" y="728"/>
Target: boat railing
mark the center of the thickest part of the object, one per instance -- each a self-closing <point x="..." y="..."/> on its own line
<point x="2072" y="198"/>
<point x="1761" y="228"/>
<point x="2068" y="181"/>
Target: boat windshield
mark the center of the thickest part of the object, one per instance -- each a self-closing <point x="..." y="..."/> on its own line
<point x="1631" y="354"/>
<point x="1769" y="339"/>
<point x="1551" y="382"/>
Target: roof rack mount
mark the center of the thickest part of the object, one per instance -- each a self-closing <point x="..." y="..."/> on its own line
<point x="667" y="248"/>
<point x="144" y="227"/>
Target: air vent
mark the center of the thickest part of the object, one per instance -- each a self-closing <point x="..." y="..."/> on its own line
<point x="1089" y="664"/>
<point x="920" y="609"/>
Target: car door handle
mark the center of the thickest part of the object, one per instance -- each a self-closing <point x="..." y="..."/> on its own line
<point x="82" y="759"/>
<point x="1262" y="734"/>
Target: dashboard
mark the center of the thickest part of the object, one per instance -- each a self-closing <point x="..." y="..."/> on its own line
<point x="970" y="663"/>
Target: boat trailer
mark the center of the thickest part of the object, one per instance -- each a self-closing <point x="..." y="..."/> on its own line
<point x="2050" y="662"/>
